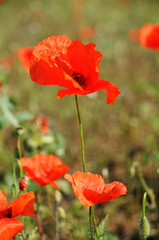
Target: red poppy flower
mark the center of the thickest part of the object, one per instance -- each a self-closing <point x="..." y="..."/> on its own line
<point x="90" y="188"/>
<point x="70" y="64"/>
<point x="24" y="55"/>
<point x="43" y="122"/>
<point x="21" y="206"/>
<point x="149" y="36"/>
<point x="44" y="169"/>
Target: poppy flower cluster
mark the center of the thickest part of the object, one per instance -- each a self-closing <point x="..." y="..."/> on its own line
<point x="148" y="36"/>
<point x="90" y="188"/>
<point x="70" y="64"/>
<point x="21" y="206"/>
<point x="44" y="169"/>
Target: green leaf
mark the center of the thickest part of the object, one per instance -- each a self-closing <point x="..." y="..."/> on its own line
<point x="102" y="225"/>
<point x="156" y="155"/>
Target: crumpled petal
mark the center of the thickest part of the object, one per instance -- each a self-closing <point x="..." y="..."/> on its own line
<point x="9" y="227"/>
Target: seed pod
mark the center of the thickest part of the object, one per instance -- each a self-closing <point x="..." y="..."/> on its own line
<point x="144" y="227"/>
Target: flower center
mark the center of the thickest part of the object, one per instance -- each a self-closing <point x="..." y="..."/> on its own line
<point x="6" y="213"/>
<point x="80" y="78"/>
<point x="9" y="214"/>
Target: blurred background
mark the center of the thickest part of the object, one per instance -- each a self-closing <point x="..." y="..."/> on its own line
<point x="121" y="139"/>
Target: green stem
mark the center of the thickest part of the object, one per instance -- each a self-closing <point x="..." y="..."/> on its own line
<point x="14" y="173"/>
<point x="145" y="186"/>
<point x="94" y="222"/>
<point x="81" y="133"/>
<point x="20" y="156"/>
<point x="91" y="213"/>
<point x="144" y="204"/>
<point x="90" y="223"/>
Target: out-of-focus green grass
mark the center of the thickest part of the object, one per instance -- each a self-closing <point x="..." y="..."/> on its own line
<point x="115" y="135"/>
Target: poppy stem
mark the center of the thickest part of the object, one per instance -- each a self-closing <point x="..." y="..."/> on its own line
<point x="94" y="222"/>
<point x="144" y="204"/>
<point x="40" y="229"/>
<point x="90" y="223"/>
<point x="81" y="133"/>
<point x="20" y="156"/>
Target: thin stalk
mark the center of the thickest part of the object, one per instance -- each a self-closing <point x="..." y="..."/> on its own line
<point x="20" y="156"/>
<point x="57" y="222"/>
<point x="40" y="229"/>
<point x="94" y="222"/>
<point x="145" y="186"/>
<point x="14" y="173"/>
<point x="81" y="133"/>
<point x="90" y="223"/>
<point x="144" y="204"/>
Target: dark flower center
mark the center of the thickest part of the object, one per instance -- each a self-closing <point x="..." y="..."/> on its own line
<point x="80" y="78"/>
<point x="6" y="213"/>
<point x="9" y="214"/>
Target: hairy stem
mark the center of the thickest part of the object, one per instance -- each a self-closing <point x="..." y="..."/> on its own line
<point x="90" y="223"/>
<point x="40" y="229"/>
<point x="81" y="133"/>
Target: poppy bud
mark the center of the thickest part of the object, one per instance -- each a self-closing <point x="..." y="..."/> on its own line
<point x="62" y="212"/>
<point x="58" y="196"/>
<point x="19" y="130"/>
<point x="23" y="183"/>
<point x="144" y="227"/>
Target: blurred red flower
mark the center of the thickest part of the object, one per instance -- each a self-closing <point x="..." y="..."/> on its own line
<point x="6" y="63"/>
<point x="149" y="36"/>
<point x="43" y="122"/>
<point x="24" y="56"/>
<point x="86" y="32"/>
<point x="21" y="206"/>
<point x="70" y="64"/>
<point x="44" y="169"/>
<point x="90" y="188"/>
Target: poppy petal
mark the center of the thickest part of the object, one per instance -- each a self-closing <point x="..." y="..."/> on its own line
<point x="9" y="227"/>
<point x="23" y="205"/>
<point x="24" y="55"/>
<point x="149" y="36"/>
<point x="44" y="66"/>
<point x="90" y="188"/>
<point x="112" y="91"/>
<point x="44" y="169"/>
<point x="111" y="191"/>
<point x="77" y="192"/>
<point x="3" y="200"/>
<point x="84" y="58"/>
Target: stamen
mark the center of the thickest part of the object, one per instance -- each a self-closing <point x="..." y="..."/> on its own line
<point x="80" y="78"/>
